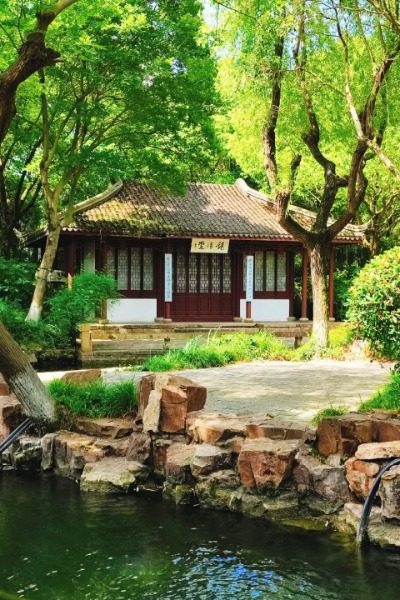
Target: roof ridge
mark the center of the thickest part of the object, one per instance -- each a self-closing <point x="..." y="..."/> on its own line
<point x="98" y="198"/>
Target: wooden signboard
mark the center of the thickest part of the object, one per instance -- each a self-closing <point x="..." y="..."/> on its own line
<point x="209" y="246"/>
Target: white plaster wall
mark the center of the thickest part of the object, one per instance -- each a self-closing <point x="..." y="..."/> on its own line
<point x="132" y="310"/>
<point x="266" y="310"/>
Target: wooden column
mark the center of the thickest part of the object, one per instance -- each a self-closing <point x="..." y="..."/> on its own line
<point x="290" y="284"/>
<point x="331" y="285"/>
<point x="71" y="260"/>
<point x="304" y="281"/>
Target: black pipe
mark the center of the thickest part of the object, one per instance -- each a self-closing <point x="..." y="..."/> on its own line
<point x="14" y="435"/>
<point x="366" y="511"/>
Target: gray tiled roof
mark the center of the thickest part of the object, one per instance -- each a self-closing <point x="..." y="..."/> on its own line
<point x="206" y="210"/>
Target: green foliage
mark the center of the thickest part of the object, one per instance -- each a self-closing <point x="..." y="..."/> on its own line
<point x="331" y="411"/>
<point x="340" y="337"/>
<point x="388" y="398"/>
<point x="95" y="399"/>
<point x="17" y="279"/>
<point x="31" y="335"/>
<point x="219" y="350"/>
<point x="344" y="277"/>
<point x="70" y="307"/>
<point x="374" y="305"/>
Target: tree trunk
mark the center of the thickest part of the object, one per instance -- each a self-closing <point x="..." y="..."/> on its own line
<point x="23" y="380"/>
<point x="46" y="266"/>
<point x="318" y="265"/>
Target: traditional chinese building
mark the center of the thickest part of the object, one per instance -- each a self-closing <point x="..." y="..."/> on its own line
<point x="218" y="254"/>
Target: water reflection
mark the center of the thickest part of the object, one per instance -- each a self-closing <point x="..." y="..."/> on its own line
<point x="57" y="544"/>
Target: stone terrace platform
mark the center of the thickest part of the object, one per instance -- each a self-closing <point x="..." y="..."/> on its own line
<point x="103" y="345"/>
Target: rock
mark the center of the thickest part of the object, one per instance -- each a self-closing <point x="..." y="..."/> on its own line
<point x="388" y="429"/>
<point x="386" y="535"/>
<point x="276" y="430"/>
<point x="219" y="491"/>
<point x="139" y="448"/>
<point x="108" y="428"/>
<point x="82" y="377"/>
<point x="233" y="445"/>
<point x="151" y="414"/>
<point x="174" y="403"/>
<point x="159" y="458"/>
<point x="26" y="453"/>
<point x="389" y="493"/>
<point x="265" y="463"/>
<point x="146" y="385"/>
<point x="177" y="466"/>
<point x="10" y="414"/>
<point x="112" y="447"/>
<point x="67" y="453"/>
<point x="378" y="450"/>
<point x="208" y="458"/>
<point x="113" y="475"/>
<point x="325" y="483"/>
<point x="182" y="494"/>
<point x="280" y="507"/>
<point x="360" y="476"/>
<point x="341" y="435"/>
<point x="213" y="428"/>
<point x="196" y="396"/>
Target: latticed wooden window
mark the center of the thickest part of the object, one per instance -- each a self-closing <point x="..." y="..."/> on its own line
<point x="269" y="271"/>
<point x="227" y="274"/>
<point x="281" y="272"/>
<point x="132" y="267"/>
<point x="215" y="274"/>
<point x="204" y="274"/>
<point x="180" y="273"/>
<point x="148" y="269"/>
<point x="192" y="274"/>
<point x="136" y="268"/>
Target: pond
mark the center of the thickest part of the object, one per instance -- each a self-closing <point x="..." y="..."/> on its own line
<point x="59" y="544"/>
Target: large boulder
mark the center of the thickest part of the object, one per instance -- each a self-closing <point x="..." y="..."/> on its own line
<point x="342" y="435"/>
<point x="324" y="486"/>
<point x="68" y="453"/>
<point x="26" y="453"/>
<point x="139" y="448"/>
<point x="10" y="413"/>
<point x="107" y="428"/>
<point x="360" y="475"/>
<point x="178" y="461"/>
<point x="213" y="428"/>
<point x="389" y="493"/>
<point x="265" y="464"/>
<point x="208" y="458"/>
<point x="113" y="475"/>
<point x="166" y="400"/>
<point x="82" y="377"/>
<point x="378" y="451"/>
<point x="276" y="430"/>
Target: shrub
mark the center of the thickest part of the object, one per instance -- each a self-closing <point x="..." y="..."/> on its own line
<point x="17" y="279"/>
<point x="31" y="335"/>
<point x="95" y="399"/>
<point x="344" y="277"/>
<point x="340" y="337"/>
<point x="70" y="307"/>
<point x="331" y="411"/>
<point x="374" y="305"/>
<point x="388" y="398"/>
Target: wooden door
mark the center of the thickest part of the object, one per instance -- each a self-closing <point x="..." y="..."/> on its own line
<point x="202" y="287"/>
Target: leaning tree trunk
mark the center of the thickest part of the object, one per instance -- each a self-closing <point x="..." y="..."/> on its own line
<point x="23" y="380"/>
<point x="318" y="265"/>
<point x="46" y="265"/>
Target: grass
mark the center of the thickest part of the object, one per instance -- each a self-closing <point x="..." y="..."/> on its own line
<point x="220" y="350"/>
<point x="95" y="399"/>
<point x="387" y="398"/>
<point x="330" y="411"/>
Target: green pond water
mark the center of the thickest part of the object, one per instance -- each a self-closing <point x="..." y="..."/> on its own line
<point x="59" y="544"/>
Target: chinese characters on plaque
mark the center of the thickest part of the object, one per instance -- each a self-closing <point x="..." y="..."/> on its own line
<point x="168" y="278"/>
<point x="249" y="277"/>
<point x="210" y="246"/>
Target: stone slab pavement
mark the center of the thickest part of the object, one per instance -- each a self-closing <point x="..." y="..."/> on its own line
<point x="289" y="390"/>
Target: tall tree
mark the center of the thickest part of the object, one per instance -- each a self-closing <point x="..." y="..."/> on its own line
<point x="133" y="102"/>
<point x="324" y="75"/>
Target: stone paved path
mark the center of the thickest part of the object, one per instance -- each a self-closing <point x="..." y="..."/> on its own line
<point x="284" y="389"/>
